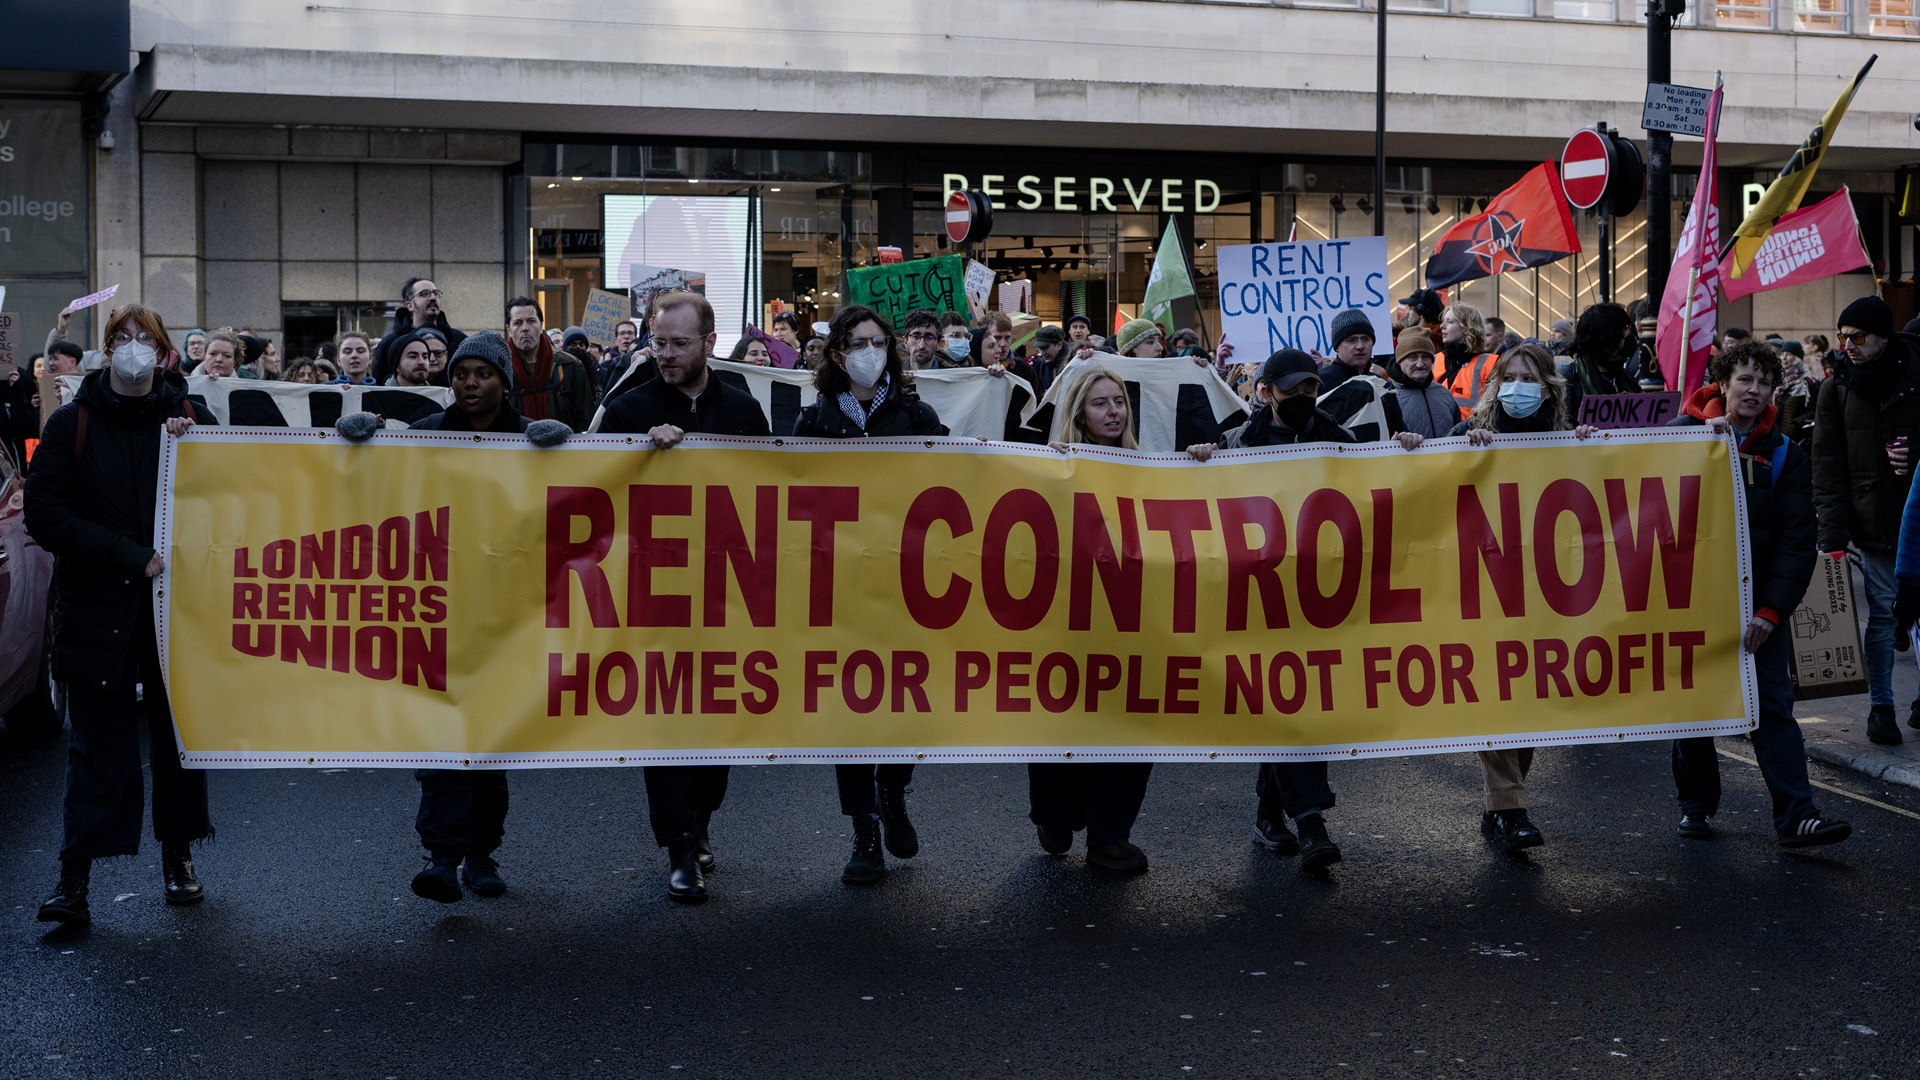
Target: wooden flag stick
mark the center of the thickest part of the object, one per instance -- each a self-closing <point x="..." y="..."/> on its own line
<point x="1686" y="328"/>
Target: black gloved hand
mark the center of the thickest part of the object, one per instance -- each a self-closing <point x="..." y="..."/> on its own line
<point x="1906" y="611"/>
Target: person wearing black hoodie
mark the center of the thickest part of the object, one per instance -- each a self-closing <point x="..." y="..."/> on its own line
<point x="866" y="392"/>
<point x="1781" y="527"/>
<point x="463" y="812"/>
<point x="90" y="498"/>
<point x="1289" y="383"/>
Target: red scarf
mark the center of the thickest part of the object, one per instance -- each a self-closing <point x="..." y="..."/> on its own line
<point x="1707" y="404"/>
<point x="536" y="400"/>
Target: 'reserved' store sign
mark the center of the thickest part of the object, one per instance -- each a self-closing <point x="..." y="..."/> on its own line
<point x="1093" y="194"/>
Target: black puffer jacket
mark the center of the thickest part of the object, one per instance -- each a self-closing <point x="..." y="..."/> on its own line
<point x="92" y="506"/>
<point x="1854" y="487"/>
<point x="902" y="415"/>
<point x="1780" y="516"/>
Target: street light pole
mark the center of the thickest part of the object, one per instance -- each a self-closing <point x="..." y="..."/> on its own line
<point x="1380" y="120"/>
<point x="1661" y="15"/>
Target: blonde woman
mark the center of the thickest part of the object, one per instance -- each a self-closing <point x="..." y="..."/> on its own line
<point x="1463" y="366"/>
<point x="1524" y="395"/>
<point x="1096" y="411"/>
<point x="1102" y="797"/>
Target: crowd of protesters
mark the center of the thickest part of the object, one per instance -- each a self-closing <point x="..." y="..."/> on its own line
<point x="1824" y="429"/>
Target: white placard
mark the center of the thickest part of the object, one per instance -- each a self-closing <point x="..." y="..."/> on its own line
<point x="1280" y="296"/>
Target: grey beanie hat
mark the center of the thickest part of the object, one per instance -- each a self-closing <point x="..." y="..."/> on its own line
<point x="1348" y="323"/>
<point x="486" y="345"/>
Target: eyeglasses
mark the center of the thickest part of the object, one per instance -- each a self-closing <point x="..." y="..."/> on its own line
<point x="879" y="342"/>
<point x="920" y="335"/>
<point x="1858" y="337"/>
<point x="677" y="344"/>
<point x="426" y="294"/>
<point x="123" y="338"/>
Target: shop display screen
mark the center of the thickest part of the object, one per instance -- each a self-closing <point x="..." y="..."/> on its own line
<point x="703" y="236"/>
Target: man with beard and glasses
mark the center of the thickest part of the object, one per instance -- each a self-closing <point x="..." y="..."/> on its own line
<point x="685" y="397"/>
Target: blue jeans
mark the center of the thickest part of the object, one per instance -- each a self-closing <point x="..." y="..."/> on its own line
<point x="1777" y="747"/>
<point x="1881" y="585"/>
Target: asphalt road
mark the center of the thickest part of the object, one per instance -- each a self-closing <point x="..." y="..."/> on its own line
<point x="1618" y="949"/>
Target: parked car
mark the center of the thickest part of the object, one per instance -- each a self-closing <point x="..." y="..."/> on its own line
<point x="28" y="697"/>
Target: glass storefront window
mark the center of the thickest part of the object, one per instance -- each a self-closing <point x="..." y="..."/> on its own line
<point x="757" y="227"/>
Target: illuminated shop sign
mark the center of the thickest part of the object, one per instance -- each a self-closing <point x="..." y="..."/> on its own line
<point x="1098" y="194"/>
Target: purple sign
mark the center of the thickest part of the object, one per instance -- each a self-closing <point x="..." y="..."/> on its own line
<point x="1629" y="410"/>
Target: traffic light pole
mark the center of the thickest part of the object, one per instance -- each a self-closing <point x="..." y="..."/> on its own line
<point x="1660" y="18"/>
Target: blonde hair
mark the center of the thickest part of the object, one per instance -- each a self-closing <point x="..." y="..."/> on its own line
<point x="1470" y="318"/>
<point x="1070" y="419"/>
<point x="1553" y="386"/>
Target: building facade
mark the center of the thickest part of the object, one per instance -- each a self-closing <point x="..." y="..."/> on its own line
<point x="286" y="166"/>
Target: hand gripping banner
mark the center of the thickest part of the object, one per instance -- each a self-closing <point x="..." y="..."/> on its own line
<point x="440" y="599"/>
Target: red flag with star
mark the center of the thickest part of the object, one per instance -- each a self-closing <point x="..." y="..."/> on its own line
<point x="1526" y="225"/>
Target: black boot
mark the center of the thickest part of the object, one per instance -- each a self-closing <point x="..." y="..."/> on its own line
<point x="176" y="866"/>
<point x="685" y="883"/>
<point x="903" y="840"/>
<point x="69" y="901"/>
<point x="1270" y="830"/>
<point x="867" y="863"/>
<point x="702" y="846"/>
<point x="439" y="881"/>
<point x="1317" y="850"/>
<point x="1881" y="727"/>
<point x="482" y="875"/>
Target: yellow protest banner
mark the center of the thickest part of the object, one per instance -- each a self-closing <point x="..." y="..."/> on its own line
<point x="427" y="598"/>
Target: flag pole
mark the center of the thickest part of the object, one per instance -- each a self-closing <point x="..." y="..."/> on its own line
<point x="1686" y="328"/>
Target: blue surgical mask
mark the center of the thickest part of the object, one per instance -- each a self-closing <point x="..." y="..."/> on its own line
<point x="1520" y="399"/>
<point x="959" y="348"/>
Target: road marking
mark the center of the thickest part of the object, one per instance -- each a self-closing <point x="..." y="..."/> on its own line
<point x="1835" y="790"/>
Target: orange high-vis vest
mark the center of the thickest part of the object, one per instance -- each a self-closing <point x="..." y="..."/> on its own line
<point x="1468" y="380"/>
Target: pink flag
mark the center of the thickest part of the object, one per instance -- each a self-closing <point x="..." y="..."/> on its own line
<point x="1811" y="243"/>
<point x="1696" y="262"/>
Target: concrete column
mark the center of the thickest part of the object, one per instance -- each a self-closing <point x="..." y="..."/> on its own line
<point x="116" y="203"/>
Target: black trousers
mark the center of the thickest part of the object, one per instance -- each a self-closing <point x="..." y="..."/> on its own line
<point x="462" y="812"/>
<point x="858" y="784"/>
<point x="105" y="791"/>
<point x="1298" y="786"/>
<point x="682" y="798"/>
<point x="1102" y="797"/>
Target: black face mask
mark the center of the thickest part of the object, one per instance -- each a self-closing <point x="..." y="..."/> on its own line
<point x="1296" y="412"/>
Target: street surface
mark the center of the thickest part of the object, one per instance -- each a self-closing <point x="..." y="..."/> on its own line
<point x="1618" y="949"/>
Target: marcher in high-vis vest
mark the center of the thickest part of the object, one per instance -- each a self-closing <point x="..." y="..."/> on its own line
<point x="1464" y="368"/>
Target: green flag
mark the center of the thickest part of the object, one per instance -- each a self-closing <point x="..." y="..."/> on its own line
<point x="1169" y="280"/>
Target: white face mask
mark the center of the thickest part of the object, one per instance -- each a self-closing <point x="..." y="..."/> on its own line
<point x="134" y="361"/>
<point x="865" y="366"/>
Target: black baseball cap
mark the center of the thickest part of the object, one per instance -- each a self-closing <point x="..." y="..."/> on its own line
<point x="1427" y="303"/>
<point x="1287" y="369"/>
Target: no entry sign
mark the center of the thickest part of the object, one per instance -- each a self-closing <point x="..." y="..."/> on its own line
<point x="1585" y="165"/>
<point x="969" y="217"/>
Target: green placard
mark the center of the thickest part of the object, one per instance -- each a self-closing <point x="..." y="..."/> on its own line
<point x="897" y="288"/>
